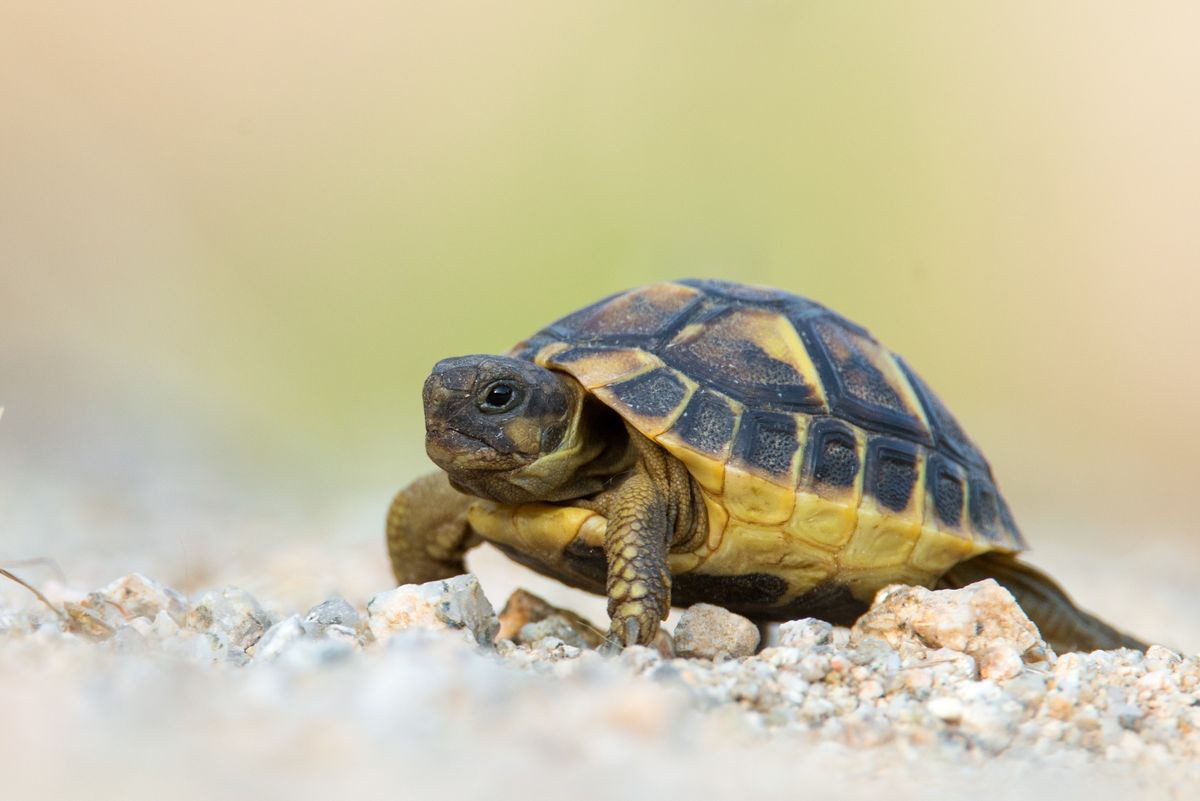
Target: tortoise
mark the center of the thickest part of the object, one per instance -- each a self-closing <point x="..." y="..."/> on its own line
<point x="710" y="441"/>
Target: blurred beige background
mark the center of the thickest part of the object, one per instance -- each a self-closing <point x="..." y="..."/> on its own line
<point x="234" y="237"/>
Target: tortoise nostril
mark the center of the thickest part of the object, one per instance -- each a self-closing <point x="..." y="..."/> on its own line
<point x="437" y="395"/>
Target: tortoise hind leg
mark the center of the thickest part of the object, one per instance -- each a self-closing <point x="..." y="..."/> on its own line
<point x="427" y="531"/>
<point x="1064" y="625"/>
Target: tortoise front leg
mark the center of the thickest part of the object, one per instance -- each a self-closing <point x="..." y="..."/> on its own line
<point x="635" y="544"/>
<point x="427" y="531"/>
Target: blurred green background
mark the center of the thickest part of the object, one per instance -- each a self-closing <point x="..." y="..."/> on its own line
<point x="235" y="236"/>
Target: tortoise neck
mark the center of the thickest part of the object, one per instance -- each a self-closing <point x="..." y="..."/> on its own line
<point x="594" y="450"/>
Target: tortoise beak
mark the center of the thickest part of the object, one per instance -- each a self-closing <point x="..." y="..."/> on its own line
<point x="446" y="446"/>
<point x="445" y="394"/>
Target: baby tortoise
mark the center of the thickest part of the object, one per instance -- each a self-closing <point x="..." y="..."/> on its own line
<point x="704" y="441"/>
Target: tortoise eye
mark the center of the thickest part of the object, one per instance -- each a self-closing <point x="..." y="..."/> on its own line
<point x="498" y="397"/>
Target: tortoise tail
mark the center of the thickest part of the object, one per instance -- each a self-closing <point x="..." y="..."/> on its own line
<point x="1064" y="626"/>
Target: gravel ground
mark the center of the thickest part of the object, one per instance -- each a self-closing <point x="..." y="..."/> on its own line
<point x="138" y="691"/>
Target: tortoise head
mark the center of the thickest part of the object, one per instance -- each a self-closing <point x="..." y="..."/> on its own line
<point x="502" y="428"/>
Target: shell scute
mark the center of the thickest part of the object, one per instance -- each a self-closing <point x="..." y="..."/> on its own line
<point x="892" y="468"/>
<point x="651" y="401"/>
<point x="768" y="444"/>
<point x="752" y="498"/>
<point x="597" y="366"/>
<point x="984" y="509"/>
<point x="865" y="384"/>
<point x="637" y="316"/>
<point x="946" y="487"/>
<point x="832" y="463"/>
<point x="707" y="424"/>
<point x="654" y="394"/>
<point x="753" y="355"/>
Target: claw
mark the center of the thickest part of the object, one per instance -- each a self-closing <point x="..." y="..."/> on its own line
<point x="611" y="646"/>
<point x="632" y="629"/>
<point x="620" y="636"/>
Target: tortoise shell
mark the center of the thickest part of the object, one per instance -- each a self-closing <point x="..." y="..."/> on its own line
<point x="823" y="458"/>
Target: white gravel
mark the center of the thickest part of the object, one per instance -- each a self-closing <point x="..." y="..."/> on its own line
<point x="142" y="693"/>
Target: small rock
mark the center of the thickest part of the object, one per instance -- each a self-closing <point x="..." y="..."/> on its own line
<point x="334" y="612"/>
<point x="707" y="632"/>
<point x="949" y="666"/>
<point x="1029" y="688"/>
<point x="989" y="717"/>
<point x="553" y="649"/>
<point x="814" y="667"/>
<point x="455" y="603"/>
<point x="973" y="620"/>
<point x="138" y="596"/>
<point x="1000" y="663"/>
<point x="1128" y="715"/>
<point x="523" y="608"/>
<point x="339" y="633"/>
<point x="164" y="625"/>
<point x="126" y="640"/>
<point x="279" y="638"/>
<point x="95" y="616"/>
<point x="1058" y="706"/>
<point x="946" y="708"/>
<point x="640" y="659"/>
<point x="807" y="633"/>
<point x="876" y="653"/>
<point x="404" y="608"/>
<point x="1159" y="658"/>
<point x="870" y="689"/>
<point x="232" y="616"/>
<point x="918" y="680"/>
<point x="780" y="656"/>
<point x="553" y="626"/>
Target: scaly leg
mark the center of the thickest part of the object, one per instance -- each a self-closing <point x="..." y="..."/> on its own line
<point x="656" y="507"/>
<point x="427" y="531"/>
<point x="639" y="584"/>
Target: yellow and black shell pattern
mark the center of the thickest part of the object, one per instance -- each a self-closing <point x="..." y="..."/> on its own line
<point x="824" y="460"/>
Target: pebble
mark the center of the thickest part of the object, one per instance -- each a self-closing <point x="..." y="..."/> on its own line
<point x="1000" y="662"/>
<point x="232" y="617"/>
<point x="138" y="596"/>
<point x="806" y="634"/>
<point x="524" y="608"/>
<point x="969" y="683"/>
<point x="164" y="625"/>
<point x="976" y="620"/>
<point x="279" y="638"/>
<point x="946" y="708"/>
<point x="334" y="612"/>
<point x="94" y="616"/>
<point x="455" y="603"/>
<point x="705" y="631"/>
<point x="555" y="626"/>
<point x="815" y="667"/>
